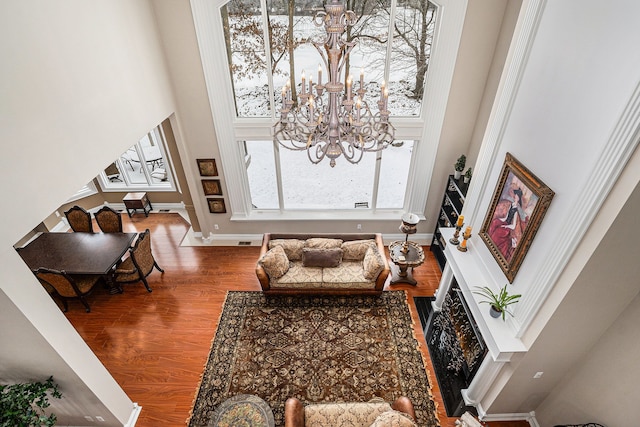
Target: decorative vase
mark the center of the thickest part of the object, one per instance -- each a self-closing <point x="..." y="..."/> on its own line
<point x="495" y="312"/>
<point x="466" y="180"/>
<point x="456" y="174"/>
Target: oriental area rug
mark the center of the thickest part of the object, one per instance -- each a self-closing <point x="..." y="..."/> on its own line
<point x="315" y="348"/>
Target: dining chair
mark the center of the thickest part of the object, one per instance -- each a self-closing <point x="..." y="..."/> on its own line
<point x="79" y="219"/>
<point x="108" y="220"/>
<point x="139" y="264"/>
<point x="63" y="286"/>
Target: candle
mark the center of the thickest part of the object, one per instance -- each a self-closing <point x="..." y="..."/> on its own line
<point x="467" y="231"/>
<point x="358" y="106"/>
<point x="382" y="91"/>
<point x="361" y="78"/>
<point x="284" y="95"/>
<point x="349" y="88"/>
<point x="311" y="105"/>
<point x="386" y="97"/>
<point x="304" y="83"/>
<point x="310" y="84"/>
<point x="319" y="75"/>
<point x="460" y="221"/>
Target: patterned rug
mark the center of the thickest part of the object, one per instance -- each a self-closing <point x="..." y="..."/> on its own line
<point x="315" y="348"/>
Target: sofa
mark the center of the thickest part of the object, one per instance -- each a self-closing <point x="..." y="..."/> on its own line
<point x="375" y="413"/>
<point x="352" y="263"/>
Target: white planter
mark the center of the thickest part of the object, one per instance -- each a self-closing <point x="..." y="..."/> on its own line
<point x="456" y="174"/>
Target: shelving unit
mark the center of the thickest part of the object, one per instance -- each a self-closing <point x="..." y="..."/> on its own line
<point x="450" y="209"/>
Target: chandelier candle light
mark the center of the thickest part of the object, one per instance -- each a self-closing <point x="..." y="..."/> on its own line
<point x="335" y="120"/>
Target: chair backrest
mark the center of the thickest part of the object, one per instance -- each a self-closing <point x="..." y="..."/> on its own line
<point x="141" y="253"/>
<point x="109" y="220"/>
<point x="59" y="281"/>
<point x="79" y="219"/>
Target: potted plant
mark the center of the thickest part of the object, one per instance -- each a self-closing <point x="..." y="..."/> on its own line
<point x="498" y="301"/>
<point x="23" y="404"/>
<point x="459" y="166"/>
<point x="467" y="176"/>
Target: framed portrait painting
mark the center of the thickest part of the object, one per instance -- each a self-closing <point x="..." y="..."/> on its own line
<point x="216" y="206"/>
<point x="211" y="187"/>
<point x="519" y="203"/>
<point x="207" y="167"/>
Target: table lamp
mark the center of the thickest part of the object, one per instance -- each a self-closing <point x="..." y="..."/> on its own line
<point x="409" y="226"/>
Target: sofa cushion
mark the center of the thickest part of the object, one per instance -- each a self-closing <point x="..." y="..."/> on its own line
<point x="275" y="262"/>
<point x="349" y="273"/>
<point x="306" y="277"/>
<point x="322" y="243"/>
<point x="321" y="257"/>
<point x="354" y="250"/>
<point x="292" y="247"/>
<point x="373" y="263"/>
<point x="343" y="414"/>
<point x="393" y="419"/>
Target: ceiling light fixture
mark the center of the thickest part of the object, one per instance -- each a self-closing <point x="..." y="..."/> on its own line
<point x="335" y="120"/>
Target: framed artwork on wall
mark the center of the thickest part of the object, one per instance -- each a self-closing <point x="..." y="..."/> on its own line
<point x="216" y="205"/>
<point x="207" y="167"/>
<point x="211" y="187"/>
<point x="517" y="208"/>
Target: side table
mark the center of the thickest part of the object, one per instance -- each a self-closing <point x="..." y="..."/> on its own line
<point x="135" y="201"/>
<point x="414" y="257"/>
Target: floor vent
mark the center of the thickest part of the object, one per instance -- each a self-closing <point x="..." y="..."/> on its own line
<point x="165" y="210"/>
<point x="244" y="243"/>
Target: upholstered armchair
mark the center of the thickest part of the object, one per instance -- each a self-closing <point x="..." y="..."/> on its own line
<point x="63" y="287"/>
<point x="109" y="220"/>
<point x="79" y="219"/>
<point x="140" y="262"/>
<point x="375" y="413"/>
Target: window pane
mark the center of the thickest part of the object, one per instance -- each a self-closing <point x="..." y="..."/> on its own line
<point x="261" y="172"/>
<point x="248" y="62"/>
<point x="394" y="172"/>
<point x="414" y="28"/>
<point x="309" y="186"/>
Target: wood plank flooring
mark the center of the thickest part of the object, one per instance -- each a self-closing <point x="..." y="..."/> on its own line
<point x="156" y="344"/>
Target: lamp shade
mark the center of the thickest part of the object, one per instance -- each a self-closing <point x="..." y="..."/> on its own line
<point x="409" y="223"/>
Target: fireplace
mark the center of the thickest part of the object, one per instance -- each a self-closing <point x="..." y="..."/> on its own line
<point x="457" y="349"/>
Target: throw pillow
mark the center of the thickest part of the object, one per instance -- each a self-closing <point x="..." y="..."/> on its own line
<point x="275" y="262"/>
<point x="322" y="243"/>
<point x="321" y="257"/>
<point x="373" y="263"/>
<point x="354" y="250"/>
<point x="292" y="247"/>
<point x="393" y="419"/>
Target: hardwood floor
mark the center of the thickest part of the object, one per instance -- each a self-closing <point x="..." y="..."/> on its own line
<point x="156" y="344"/>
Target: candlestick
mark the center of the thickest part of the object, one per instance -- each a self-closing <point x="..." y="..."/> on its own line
<point x="454" y="240"/>
<point x="462" y="247"/>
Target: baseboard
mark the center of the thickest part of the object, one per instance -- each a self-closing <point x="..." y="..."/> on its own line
<point x="133" y="417"/>
<point x="529" y="417"/>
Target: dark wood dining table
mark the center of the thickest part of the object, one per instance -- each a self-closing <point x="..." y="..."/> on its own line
<point x="78" y="253"/>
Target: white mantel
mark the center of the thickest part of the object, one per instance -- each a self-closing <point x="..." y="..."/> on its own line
<point x="500" y="336"/>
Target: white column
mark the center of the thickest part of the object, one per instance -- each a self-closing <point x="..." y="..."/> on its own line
<point x="443" y="288"/>
<point x="482" y="381"/>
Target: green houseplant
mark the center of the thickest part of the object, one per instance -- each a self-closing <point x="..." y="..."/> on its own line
<point x="22" y="405"/>
<point x="499" y="302"/>
<point x="459" y="165"/>
<point x="467" y="175"/>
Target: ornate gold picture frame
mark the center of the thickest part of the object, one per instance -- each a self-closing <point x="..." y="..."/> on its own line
<point x="519" y="203"/>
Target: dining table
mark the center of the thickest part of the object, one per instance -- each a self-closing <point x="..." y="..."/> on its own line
<point x="78" y="253"/>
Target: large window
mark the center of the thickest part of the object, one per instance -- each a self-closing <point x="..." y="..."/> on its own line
<point x="144" y="166"/>
<point x="266" y="43"/>
<point x="267" y="46"/>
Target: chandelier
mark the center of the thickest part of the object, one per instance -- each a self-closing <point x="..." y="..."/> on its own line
<point x="329" y="120"/>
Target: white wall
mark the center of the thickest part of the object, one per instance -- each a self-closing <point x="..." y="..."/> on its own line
<point x="572" y="119"/>
<point x="80" y="83"/>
